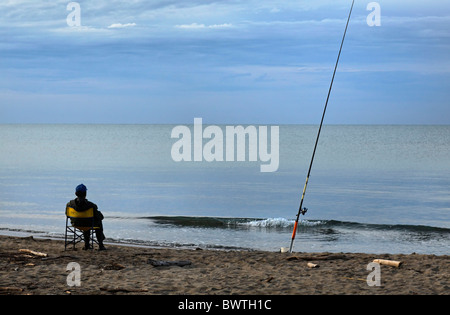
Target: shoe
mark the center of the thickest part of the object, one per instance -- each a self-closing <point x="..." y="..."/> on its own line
<point x="101" y="247"/>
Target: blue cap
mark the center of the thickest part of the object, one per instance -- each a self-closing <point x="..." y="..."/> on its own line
<point x="81" y="188"/>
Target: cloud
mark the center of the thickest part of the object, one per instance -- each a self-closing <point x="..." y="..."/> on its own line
<point x="120" y="25"/>
<point x="203" y="26"/>
<point x="285" y="45"/>
<point x="225" y="25"/>
<point x="190" y="26"/>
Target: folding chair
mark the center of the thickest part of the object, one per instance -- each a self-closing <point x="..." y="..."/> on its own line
<point x="74" y="234"/>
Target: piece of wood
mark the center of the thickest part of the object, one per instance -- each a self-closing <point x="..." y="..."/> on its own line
<point x="268" y="279"/>
<point x="159" y="263"/>
<point x="6" y="290"/>
<point x="59" y="257"/>
<point x="114" y="266"/>
<point x="393" y="263"/>
<point x="28" y="251"/>
<point x="311" y="265"/>
<point x="350" y="278"/>
<point x="115" y="290"/>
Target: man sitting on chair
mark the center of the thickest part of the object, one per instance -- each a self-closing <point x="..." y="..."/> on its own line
<point x="82" y="204"/>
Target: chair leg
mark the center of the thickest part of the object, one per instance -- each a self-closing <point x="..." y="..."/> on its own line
<point x="78" y="236"/>
<point x="74" y="238"/>
<point x="92" y="239"/>
<point x="65" y="236"/>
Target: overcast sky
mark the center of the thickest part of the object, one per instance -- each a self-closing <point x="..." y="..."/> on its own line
<point x="226" y="61"/>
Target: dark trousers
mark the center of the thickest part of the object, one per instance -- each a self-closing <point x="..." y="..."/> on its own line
<point x="98" y="233"/>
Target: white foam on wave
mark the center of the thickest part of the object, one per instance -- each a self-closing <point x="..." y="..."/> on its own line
<point x="279" y="223"/>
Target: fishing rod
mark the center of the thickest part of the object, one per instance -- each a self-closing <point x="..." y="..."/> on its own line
<point x="300" y="209"/>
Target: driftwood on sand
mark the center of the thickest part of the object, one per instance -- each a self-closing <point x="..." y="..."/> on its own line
<point x="159" y="263"/>
<point x="393" y="263"/>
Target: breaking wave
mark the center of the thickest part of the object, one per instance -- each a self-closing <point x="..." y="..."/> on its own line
<point x="283" y="223"/>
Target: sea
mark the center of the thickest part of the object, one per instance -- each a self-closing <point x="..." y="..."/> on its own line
<point x="372" y="188"/>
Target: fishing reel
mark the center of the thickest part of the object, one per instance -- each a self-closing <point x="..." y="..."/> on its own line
<point x="303" y="211"/>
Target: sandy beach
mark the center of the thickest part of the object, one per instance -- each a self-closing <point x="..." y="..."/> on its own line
<point x="32" y="266"/>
